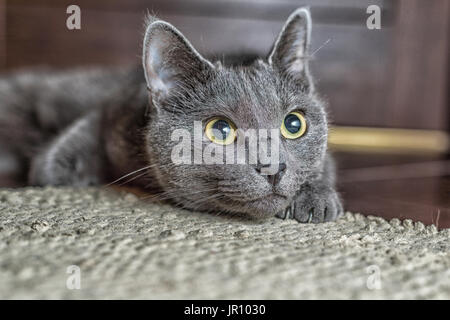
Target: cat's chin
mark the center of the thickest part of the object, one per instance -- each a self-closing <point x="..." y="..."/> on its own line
<point x="261" y="208"/>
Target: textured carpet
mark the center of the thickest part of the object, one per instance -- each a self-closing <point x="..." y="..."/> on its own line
<point x="127" y="248"/>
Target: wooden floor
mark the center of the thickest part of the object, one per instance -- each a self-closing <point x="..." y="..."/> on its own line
<point x="395" y="186"/>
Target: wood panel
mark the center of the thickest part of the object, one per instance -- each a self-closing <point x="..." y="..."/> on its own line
<point x="111" y="34"/>
<point x="39" y="36"/>
<point x="342" y="11"/>
<point x="219" y="27"/>
<point x="419" y="92"/>
<point x="381" y="78"/>
<point x="2" y="34"/>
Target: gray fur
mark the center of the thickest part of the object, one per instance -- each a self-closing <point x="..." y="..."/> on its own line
<point x="91" y="128"/>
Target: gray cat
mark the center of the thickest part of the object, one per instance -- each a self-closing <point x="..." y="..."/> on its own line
<point x="86" y="128"/>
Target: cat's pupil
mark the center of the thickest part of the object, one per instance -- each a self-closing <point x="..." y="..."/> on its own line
<point x="292" y="123"/>
<point x="221" y="129"/>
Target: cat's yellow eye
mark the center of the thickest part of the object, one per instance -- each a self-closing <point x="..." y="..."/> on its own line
<point x="294" y="125"/>
<point x="221" y="131"/>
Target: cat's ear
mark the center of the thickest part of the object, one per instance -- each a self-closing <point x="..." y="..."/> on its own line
<point x="291" y="48"/>
<point x="169" y="59"/>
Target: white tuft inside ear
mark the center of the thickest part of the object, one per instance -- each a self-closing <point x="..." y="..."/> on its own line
<point x="157" y="76"/>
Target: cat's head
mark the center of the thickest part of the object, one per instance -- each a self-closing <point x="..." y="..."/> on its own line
<point x="274" y="93"/>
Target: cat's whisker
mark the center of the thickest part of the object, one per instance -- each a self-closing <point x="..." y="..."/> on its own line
<point x="226" y="184"/>
<point x="133" y="178"/>
<point x="201" y="201"/>
<point x="229" y="185"/>
<point x="230" y="191"/>
<point x="319" y="48"/>
<point x="171" y="195"/>
<point x="128" y="174"/>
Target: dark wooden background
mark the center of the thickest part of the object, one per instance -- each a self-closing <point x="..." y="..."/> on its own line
<point x="393" y="77"/>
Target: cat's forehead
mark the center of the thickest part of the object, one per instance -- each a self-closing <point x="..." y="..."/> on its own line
<point x="253" y="96"/>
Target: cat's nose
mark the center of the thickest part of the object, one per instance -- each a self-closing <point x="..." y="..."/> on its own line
<point x="275" y="178"/>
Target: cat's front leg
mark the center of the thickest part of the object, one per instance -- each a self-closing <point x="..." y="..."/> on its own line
<point x="314" y="204"/>
<point x="316" y="201"/>
<point x="74" y="158"/>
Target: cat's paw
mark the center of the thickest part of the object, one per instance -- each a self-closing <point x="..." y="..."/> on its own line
<point x="314" y="205"/>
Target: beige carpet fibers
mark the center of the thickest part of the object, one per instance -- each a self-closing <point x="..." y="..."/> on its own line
<point x="127" y="248"/>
